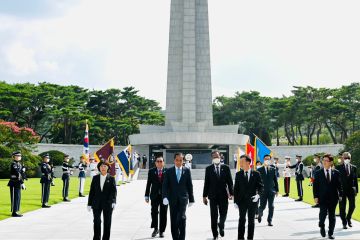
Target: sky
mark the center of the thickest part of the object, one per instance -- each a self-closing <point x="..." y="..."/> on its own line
<point x="265" y="46"/>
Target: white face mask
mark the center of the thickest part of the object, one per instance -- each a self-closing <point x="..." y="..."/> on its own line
<point x="216" y="160"/>
<point x="347" y="161"/>
<point x="257" y="167"/>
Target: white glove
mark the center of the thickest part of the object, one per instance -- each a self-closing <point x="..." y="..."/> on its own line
<point x="190" y="204"/>
<point x="236" y="206"/>
<point x="113" y="205"/>
<point x="165" y="201"/>
<point x="23" y="186"/>
<point x="255" y="198"/>
<point x="89" y="208"/>
<point x="340" y="199"/>
<point x="23" y="169"/>
<point x="147" y="199"/>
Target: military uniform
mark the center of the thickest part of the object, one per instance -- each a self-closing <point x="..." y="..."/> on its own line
<point x="45" y="182"/>
<point x="16" y="182"/>
<point x="299" y="167"/>
<point x="82" y="177"/>
<point x="66" y="167"/>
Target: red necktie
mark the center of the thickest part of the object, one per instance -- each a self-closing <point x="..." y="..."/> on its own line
<point x="160" y="175"/>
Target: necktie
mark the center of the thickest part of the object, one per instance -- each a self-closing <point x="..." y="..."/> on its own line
<point x="217" y="171"/>
<point x="327" y="176"/>
<point x="178" y="174"/>
<point x="160" y="175"/>
<point x="247" y="176"/>
<point x="347" y="169"/>
<point x="267" y="170"/>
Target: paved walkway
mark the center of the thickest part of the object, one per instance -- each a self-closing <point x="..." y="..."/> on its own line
<point x="131" y="220"/>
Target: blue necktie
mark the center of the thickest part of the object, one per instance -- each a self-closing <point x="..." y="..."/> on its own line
<point x="178" y="174"/>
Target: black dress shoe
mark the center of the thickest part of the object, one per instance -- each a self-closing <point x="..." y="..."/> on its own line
<point x="331" y="237"/>
<point x="16" y="215"/>
<point x="298" y="200"/>
<point x="344" y="226"/>
<point x="270" y="224"/>
<point x="349" y="222"/>
<point x="259" y="219"/>
<point x="322" y="232"/>
<point x="45" y="206"/>
<point x="155" y="232"/>
<point x="221" y="231"/>
<point x="316" y="206"/>
<point x="81" y="195"/>
<point x="161" y="235"/>
<point x="66" y="200"/>
<point x="285" y="195"/>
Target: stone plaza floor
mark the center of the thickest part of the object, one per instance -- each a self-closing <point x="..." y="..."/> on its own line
<point x="131" y="220"/>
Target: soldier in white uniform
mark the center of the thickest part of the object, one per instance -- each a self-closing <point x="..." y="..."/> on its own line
<point x="287" y="176"/>
<point x="118" y="173"/>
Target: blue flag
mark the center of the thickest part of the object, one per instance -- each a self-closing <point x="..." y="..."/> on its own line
<point x="261" y="150"/>
<point x="123" y="160"/>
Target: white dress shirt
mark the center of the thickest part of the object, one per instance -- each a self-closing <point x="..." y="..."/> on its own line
<point x="102" y="181"/>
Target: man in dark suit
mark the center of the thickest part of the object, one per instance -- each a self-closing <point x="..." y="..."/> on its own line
<point x="155" y="182"/>
<point x="299" y="167"/>
<point x="271" y="188"/>
<point x="327" y="191"/>
<point x="218" y="187"/>
<point x="177" y="191"/>
<point x="349" y="182"/>
<point x="247" y="190"/>
<point x="102" y="199"/>
<point x="317" y="167"/>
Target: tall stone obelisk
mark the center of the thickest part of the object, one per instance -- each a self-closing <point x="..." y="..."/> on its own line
<point x="189" y="98"/>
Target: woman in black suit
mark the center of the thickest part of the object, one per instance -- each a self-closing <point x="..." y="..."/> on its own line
<point x="102" y="199"/>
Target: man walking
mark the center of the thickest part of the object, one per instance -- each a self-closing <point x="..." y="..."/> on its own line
<point x="327" y="191"/>
<point x="271" y="189"/>
<point x="153" y="193"/>
<point x="247" y="190"/>
<point x="177" y="191"/>
<point x="218" y="188"/>
<point x="348" y="173"/>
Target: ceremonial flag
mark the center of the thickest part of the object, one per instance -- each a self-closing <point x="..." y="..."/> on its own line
<point x="238" y="154"/>
<point x="250" y="151"/>
<point x="124" y="161"/>
<point x="106" y="152"/>
<point x="261" y="150"/>
<point x="86" y="150"/>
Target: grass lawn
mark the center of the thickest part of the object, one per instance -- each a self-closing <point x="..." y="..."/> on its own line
<point x="31" y="197"/>
<point x="308" y="195"/>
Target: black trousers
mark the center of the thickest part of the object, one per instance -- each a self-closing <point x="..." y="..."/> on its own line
<point x="65" y="192"/>
<point x="107" y="214"/>
<point x="45" y="192"/>
<point x="327" y="209"/>
<point x="158" y="209"/>
<point x="178" y="220"/>
<point x="248" y="208"/>
<point x="299" y="188"/>
<point x="267" y="197"/>
<point x="342" y="206"/>
<point x="218" y="207"/>
<point x="287" y="185"/>
<point x="15" y="196"/>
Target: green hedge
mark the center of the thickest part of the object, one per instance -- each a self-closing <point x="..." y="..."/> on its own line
<point x="56" y="157"/>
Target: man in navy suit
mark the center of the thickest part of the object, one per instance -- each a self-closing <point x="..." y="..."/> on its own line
<point x="177" y="191"/>
<point x="327" y="190"/>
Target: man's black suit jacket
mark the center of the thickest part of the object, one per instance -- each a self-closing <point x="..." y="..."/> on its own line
<point x="244" y="189"/>
<point x="154" y="185"/>
<point x="102" y="199"/>
<point x="175" y="191"/>
<point x="269" y="179"/>
<point x="349" y="183"/>
<point x="327" y="193"/>
<point x="215" y="185"/>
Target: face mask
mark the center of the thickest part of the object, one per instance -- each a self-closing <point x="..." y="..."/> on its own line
<point x="216" y="160"/>
<point x="257" y="167"/>
<point x="347" y="161"/>
<point x="315" y="160"/>
<point x="266" y="162"/>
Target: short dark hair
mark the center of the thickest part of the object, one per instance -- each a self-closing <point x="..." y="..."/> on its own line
<point x="178" y="154"/>
<point x="329" y="156"/>
<point x="215" y="151"/>
<point x="267" y="155"/>
<point x="103" y="163"/>
<point x="247" y="158"/>
<point x="159" y="157"/>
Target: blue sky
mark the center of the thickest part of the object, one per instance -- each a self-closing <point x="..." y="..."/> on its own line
<point x="267" y="46"/>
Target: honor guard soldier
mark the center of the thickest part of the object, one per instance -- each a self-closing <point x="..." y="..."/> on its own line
<point x="52" y="173"/>
<point x="82" y="176"/>
<point x="67" y="172"/>
<point x="45" y="181"/>
<point x="16" y="183"/>
<point x="299" y="167"/>
<point x="287" y="176"/>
